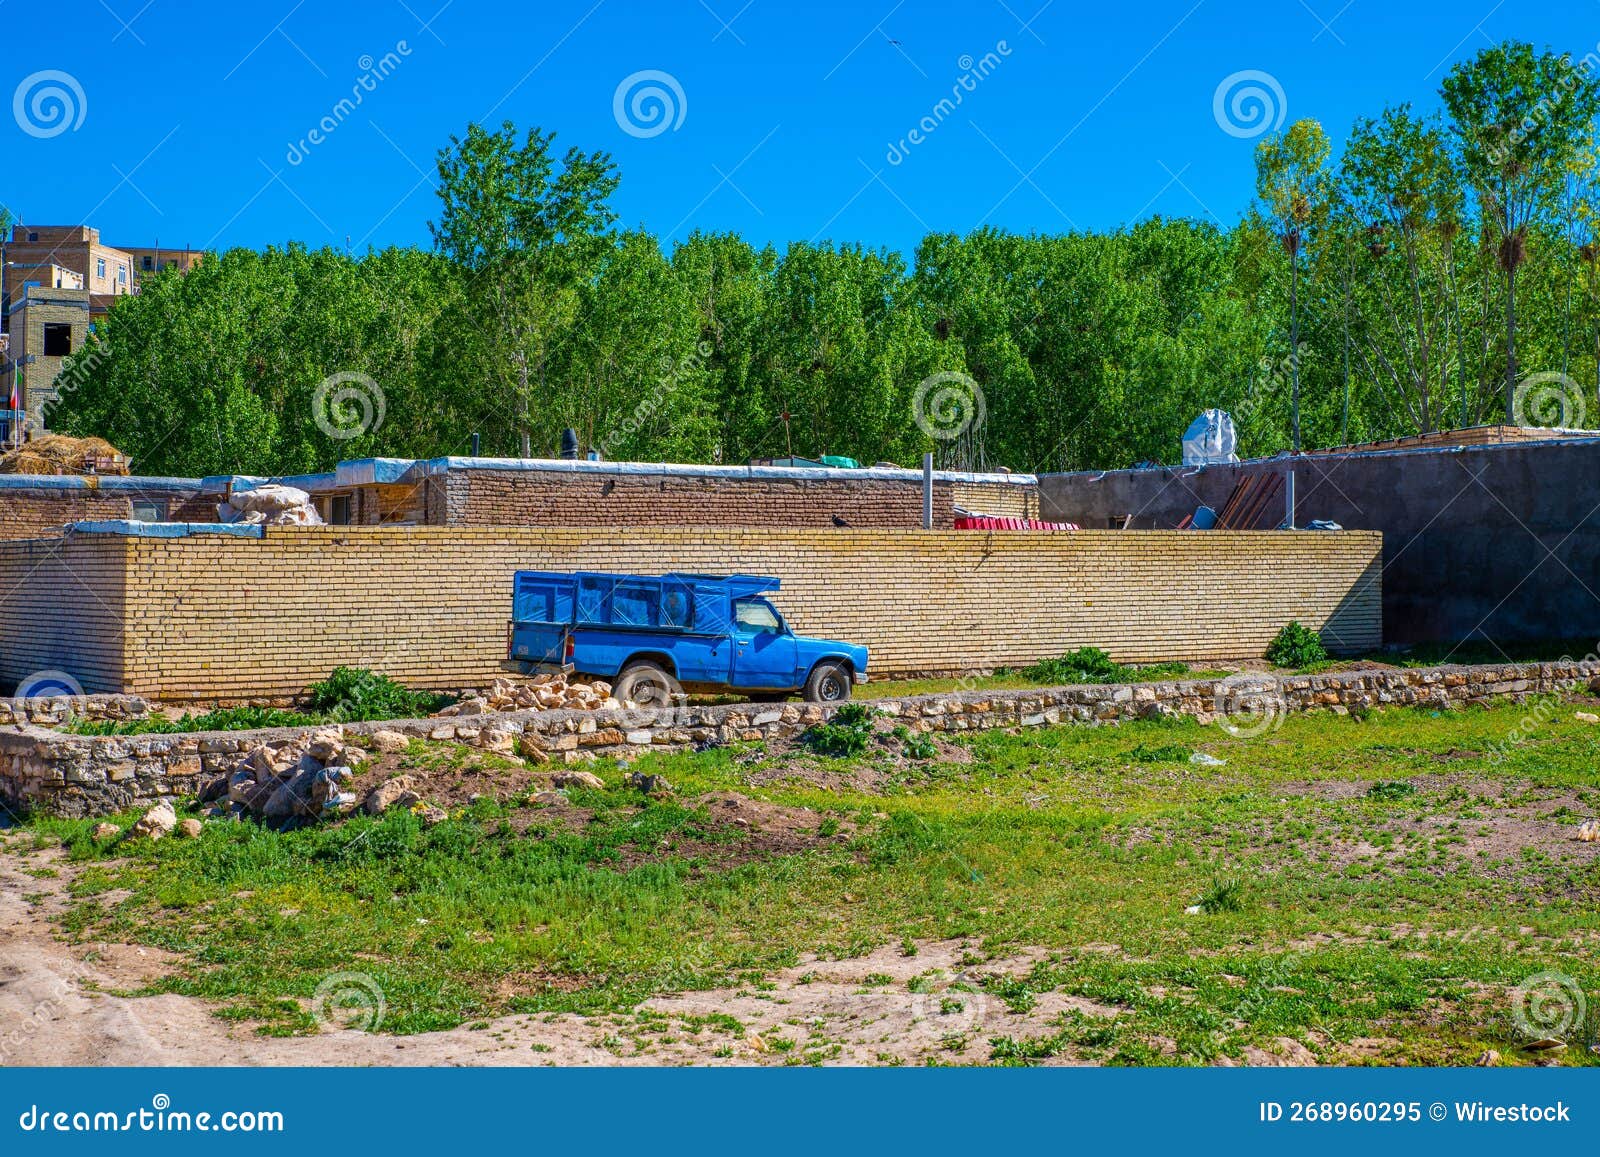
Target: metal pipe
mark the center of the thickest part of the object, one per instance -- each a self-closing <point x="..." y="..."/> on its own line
<point x="927" y="491"/>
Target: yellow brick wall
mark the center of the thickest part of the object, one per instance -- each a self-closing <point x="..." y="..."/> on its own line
<point x="998" y="499"/>
<point x="62" y="608"/>
<point x="214" y="618"/>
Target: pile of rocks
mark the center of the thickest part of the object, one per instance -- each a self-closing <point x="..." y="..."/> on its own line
<point x="289" y="781"/>
<point x="156" y="823"/>
<point x="545" y="692"/>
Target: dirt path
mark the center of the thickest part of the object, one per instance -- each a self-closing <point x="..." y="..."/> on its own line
<point x="57" y="1009"/>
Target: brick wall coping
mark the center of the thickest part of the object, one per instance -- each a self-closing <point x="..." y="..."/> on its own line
<point x="392" y="471"/>
<point x="1578" y="438"/>
<point x="692" y="470"/>
<point x="95" y="482"/>
<point x="132" y="528"/>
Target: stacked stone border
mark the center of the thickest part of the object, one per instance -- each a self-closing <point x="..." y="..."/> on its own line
<point x="54" y="710"/>
<point x="56" y="773"/>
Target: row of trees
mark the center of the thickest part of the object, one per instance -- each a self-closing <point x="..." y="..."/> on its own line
<point x="1395" y="291"/>
<point x="1419" y="240"/>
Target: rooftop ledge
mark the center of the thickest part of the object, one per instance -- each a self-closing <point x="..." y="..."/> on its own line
<point x="435" y="466"/>
<point x="397" y="471"/>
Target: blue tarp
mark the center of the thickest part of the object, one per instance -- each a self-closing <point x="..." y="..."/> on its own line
<point x="166" y="529"/>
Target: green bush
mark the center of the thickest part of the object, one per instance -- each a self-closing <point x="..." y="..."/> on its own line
<point x="1222" y="895"/>
<point x="1092" y="665"/>
<point x="915" y="744"/>
<point x="1166" y="753"/>
<point x="1296" y="646"/>
<point x="355" y="694"/>
<point x="846" y="734"/>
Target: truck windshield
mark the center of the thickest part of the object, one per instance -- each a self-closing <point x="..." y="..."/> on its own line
<point x="756" y="616"/>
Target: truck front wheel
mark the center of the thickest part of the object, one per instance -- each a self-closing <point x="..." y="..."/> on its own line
<point x="828" y="683"/>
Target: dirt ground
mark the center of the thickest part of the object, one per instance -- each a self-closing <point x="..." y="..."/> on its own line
<point x="58" y="1007"/>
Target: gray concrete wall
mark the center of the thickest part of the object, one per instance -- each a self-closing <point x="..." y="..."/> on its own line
<point x="1496" y="542"/>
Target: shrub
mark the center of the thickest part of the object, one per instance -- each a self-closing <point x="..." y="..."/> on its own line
<point x="1296" y="646"/>
<point x="1092" y="665"/>
<point x="1085" y="665"/>
<point x="845" y="735"/>
<point x="915" y="744"/>
<point x="1167" y="753"/>
<point x="355" y="694"/>
<point x="1222" y="895"/>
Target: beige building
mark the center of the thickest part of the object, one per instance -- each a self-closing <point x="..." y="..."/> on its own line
<point x="46" y="326"/>
<point x="34" y="251"/>
<point x="148" y="261"/>
<point x="57" y="281"/>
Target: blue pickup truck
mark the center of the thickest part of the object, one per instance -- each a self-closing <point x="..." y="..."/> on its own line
<point x="656" y="634"/>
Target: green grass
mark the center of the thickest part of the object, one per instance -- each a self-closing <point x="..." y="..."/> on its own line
<point x="1332" y="910"/>
<point x="1044" y="675"/>
<point x="1012" y="679"/>
<point x="222" y="719"/>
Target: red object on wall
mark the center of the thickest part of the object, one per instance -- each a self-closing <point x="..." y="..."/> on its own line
<point x="988" y="522"/>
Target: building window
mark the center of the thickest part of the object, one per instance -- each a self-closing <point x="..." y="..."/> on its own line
<point x="100" y="267"/>
<point x="122" y="274"/>
<point x="148" y="263"/>
<point x="339" y="510"/>
<point x="33" y="237"/>
<point x="148" y="512"/>
<point x="57" y="339"/>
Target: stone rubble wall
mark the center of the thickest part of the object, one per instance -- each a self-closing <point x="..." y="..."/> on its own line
<point x="70" y="775"/>
<point x="54" y="711"/>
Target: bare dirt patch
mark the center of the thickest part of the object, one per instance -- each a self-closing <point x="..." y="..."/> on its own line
<point x="1505" y="832"/>
<point x="57" y="1008"/>
<point x="886" y="763"/>
<point x="743" y="830"/>
<point x="476" y="777"/>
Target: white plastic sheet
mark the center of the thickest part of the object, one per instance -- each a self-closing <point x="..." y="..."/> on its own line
<point x="1210" y="439"/>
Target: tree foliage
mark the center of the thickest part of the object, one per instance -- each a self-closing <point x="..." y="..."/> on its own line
<point x="1395" y="288"/>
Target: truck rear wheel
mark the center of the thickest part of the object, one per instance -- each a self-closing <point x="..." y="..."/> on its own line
<point x="828" y="683"/>
<point x="646" y="684"/>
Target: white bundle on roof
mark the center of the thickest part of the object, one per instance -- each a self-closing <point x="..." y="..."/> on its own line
<point x="1210" y="439"/>
<point x="270" y="505"/>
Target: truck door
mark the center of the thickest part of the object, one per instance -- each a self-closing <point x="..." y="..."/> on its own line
<point x="705" y="655"/>
<point x="765" y="653"/>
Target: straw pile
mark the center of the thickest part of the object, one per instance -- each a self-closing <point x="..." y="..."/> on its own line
<point x="61" y="454"/>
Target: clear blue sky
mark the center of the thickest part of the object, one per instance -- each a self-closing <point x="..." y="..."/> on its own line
<point x="1090" y="115"/>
